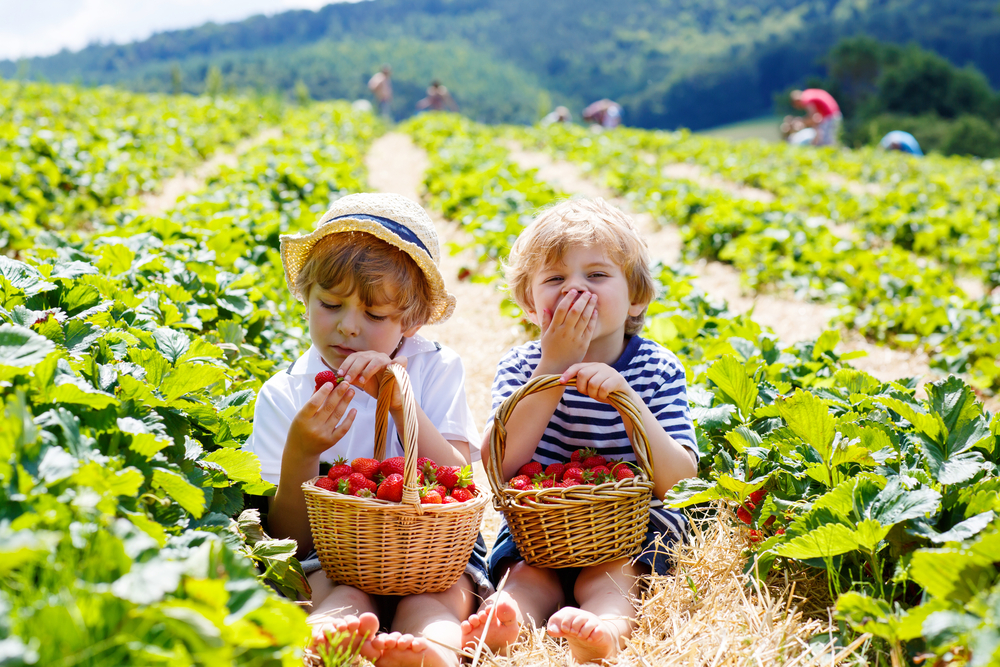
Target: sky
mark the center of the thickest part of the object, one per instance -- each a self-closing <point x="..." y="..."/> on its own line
<point x="44" y="27"/>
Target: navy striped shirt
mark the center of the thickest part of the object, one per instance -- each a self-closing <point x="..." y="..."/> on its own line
<point x="655" y="374"/>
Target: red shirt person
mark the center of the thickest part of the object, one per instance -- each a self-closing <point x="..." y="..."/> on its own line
<point x="822" y="113"/>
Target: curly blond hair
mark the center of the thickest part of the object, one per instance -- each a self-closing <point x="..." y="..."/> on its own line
<point x="588" y="222"/>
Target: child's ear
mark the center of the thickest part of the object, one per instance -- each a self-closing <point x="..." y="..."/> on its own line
<point x="412" y="331"/>
<point x="637" y="309"/>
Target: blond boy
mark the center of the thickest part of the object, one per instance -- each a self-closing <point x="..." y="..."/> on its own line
<point x="580" y="273"/>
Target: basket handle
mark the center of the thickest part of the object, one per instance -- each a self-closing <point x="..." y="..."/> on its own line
<point x="618" y="399"/>
<point x="395" y="372"/>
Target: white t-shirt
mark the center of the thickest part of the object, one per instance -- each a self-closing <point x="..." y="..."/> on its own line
<point x="436" y="375"/>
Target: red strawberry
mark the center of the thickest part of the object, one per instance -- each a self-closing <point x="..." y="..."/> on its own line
<point x="441" y="491"/>
<point x="391" y="466"/>
<point x="601" y="473"/>
<point x="756" y="535"/>
<point x="521" y="483"/>
<point x="744" y="515"/>
<point x="542" y="482"/>
<point x="574" y="474"/>
<point x="447" y="500"/>
<point x="326" y="483"/>
<point x="555" y="471"/>
<point x="780" y="531"/>
<point x="426" y="466"/>
<point x="367" y="467"/>
<point x="622" y="470"/>
<point x="324" y="377"/>
<point x="356" y="481"/>
<point x="758" y="496"/>
<point x="470" y="487"/>
<point x="448" y="475"/>
<point x="391" y="488"/>
<point x="530" y="469"/>
<point x="430" y="498"/>
<point x="568" y="482"/>
<point x="576" y="456"/>
<point x="770" y="521"/>
<point x="339" y="469"/>
<point x="593" y="461"/>
<point x="462" y="495"/>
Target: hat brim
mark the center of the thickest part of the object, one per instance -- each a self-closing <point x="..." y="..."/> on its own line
<point x="295" y="249"/>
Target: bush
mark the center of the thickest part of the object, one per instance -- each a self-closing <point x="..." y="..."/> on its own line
<point x="972" y="135"/>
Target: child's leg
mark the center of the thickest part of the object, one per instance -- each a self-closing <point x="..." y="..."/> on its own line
<point x="530" y="593"/>
<point x="606" y="614"/>
<point x="344" y="610"/>
<point x="429" y="616"/>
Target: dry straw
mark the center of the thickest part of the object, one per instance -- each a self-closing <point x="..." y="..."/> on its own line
<point x="577" y="525"/>
<point x="390" y="548"/>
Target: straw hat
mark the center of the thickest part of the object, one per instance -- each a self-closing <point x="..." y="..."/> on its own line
<point x="392" y="218"/>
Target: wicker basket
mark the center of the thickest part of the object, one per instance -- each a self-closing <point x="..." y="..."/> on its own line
<point x="579" y="525"/>
<point x="388" y="548"/>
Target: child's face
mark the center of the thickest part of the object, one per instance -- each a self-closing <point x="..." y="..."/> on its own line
<point x="585" y="269"/>
<point x="341" y="324"/>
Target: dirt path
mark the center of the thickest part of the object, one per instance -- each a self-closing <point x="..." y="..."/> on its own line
<point x="791" y="319"/>
<point x="476" y="331"/>
<point x="174" y="188"/>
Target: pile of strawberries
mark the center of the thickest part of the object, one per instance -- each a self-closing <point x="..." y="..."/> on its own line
<point x="369" y="478"/>
<point x="586" y="467"/>
<point x="745" y="514"/>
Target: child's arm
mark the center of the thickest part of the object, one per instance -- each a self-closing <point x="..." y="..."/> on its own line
<point x="566" y="335"/>
<point x="671" y="461"/>
<point x="364" y="370"/>
<point x="318" y="426"/>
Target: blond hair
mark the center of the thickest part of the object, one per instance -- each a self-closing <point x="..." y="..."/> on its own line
<point x="379" y="272"/>
<point x="574" y="223"/>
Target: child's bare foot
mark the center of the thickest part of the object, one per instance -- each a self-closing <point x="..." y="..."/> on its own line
<point x="503" y="629"/>
<point x="356" y="634"/>
<point x="590" y="637"/>
<point x="405" y="650"/>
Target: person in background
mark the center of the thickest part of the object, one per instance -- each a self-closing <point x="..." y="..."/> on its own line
<point x="557" y="115"/>
<point x="897" y="140"/>
<point x="822" y="113"/>
<point x="381" y="86"/>
<point x="438" y="98"/>
<point x="604" y="112"/>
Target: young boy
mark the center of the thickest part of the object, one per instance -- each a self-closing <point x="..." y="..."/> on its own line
<point x="580" y="272"/>
<point x="369" y="279"/>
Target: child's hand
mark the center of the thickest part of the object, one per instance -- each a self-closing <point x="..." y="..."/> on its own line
<point x="597" y="380"/>
<point x="567" y="332"/>
<point x="364" y="370"/>
<point x="318" y="426"/>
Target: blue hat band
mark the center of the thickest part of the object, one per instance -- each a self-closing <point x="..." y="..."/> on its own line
<point x="396" y="228"/>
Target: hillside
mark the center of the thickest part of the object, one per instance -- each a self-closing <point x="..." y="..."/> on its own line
<point x="671" y="62"/>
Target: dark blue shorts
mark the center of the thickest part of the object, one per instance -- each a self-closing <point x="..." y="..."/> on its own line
<point x="654" y="553"/>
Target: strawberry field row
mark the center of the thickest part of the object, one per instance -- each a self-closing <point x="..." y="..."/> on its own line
<point x="72" y="156"/>
<point x="130" y="357"/>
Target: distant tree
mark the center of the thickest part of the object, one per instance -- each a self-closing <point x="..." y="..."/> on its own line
<point x="176" y="80"/>
<point x="213" y="81"/>
<point x="302" y="95"/>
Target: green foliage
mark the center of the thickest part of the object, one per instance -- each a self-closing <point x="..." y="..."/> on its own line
<point x="130" y="354"/>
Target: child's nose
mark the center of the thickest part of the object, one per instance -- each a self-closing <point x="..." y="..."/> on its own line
<point x="348" y="325"/>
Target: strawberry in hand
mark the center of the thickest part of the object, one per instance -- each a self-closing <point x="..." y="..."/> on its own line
<point x="325" y="377"/>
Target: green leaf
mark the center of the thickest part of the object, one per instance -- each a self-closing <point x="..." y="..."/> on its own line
<point x="21" y="347"/>
<point x="79" y="297"/>
<point x="850" y="498"/>
<point x="69" y="392"/>
<point x="810" y="419"/>
<point x="189" y="378"/>
<point x="953" y="400"/>
<point x="951" y="462"/>
<point x="691" y="491"/>
<point x="24" y="277"/>
<point x="715" y="418"/>
<point x="856" y="382"/>
<point x="240" y="466"/>
<point x="80" y="335"/>
<point x="741" y="438"/>
<point x="964" y="529"/>
<point x="188" y="496"/>
<point x="823" y="541"/>
<point x="869" y="533"/>
<point x="930" y="425"/>
<point x="827" y="342"/>
<point x="895" y="504"/>
<point x="951" y="574"/>
<point x="201" y="349"/>
<point x="731" y="377"/>
<point x="867" y="614"/>
<point x="115" y="259"/>
<point x="144" y="442"/>
<point x="171" y="343"/>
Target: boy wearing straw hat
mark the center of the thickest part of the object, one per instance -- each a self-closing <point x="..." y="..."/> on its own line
<point x="369" y="279"/>
<point x="580" y="272"/>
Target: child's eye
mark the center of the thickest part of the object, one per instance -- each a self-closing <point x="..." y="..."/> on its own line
<point x="377" y="318"/>
<point x="553" y="279"/>
<point x="329" y="306"/>
<point x="599" y="274"/>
